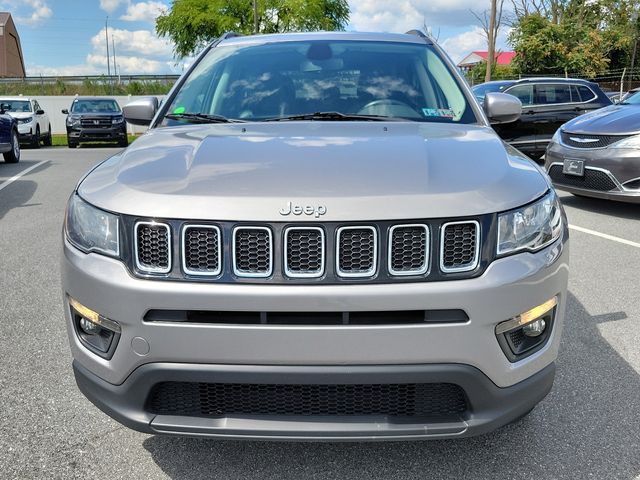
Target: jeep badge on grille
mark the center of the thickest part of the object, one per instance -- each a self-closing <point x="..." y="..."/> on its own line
<point x="291" y="208"/>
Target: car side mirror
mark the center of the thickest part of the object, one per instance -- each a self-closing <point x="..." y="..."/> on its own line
<point x="39" y="112"/>
<point x="502" y="108"/>
<point x="141" y="111"/>
<point x="65" y="111"/>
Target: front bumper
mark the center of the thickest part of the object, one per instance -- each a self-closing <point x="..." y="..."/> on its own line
<point x="97" y="134"/>
<point x="467" y="354"/>
<point x="490" y="407"/>
<point x="619" y="165"/>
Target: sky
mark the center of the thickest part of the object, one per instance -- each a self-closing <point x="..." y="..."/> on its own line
<point x="67" y="37"/>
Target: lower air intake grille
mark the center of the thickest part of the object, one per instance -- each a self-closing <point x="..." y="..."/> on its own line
<point x="357" y="251"/>
<point x="592" y="179"/>
<point x="201" y="250"/>
<point x="459" y="246"/>
<point x="409" y="249"/>
<point x="252" y="252"/>
<point x="425" y="400"/>
<point x="153" y="253"/>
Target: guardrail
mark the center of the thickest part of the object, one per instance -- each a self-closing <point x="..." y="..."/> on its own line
<point x="91" y="78"/>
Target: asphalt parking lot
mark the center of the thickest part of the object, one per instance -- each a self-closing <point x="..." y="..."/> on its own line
<point x="588" y="427"/>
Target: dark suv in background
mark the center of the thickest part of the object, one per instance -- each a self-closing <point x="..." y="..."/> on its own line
<point x="547" y="103"/>
<point x="95" y="119"/>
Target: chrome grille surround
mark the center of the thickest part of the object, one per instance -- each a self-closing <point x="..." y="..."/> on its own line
<point x="201" y="272"/>
<point x="444" y="244"/>
<point x="148" y="267"/>
<point x="313" y="273"/>
<point x="252" y="273"/>
<point x="424" y="250"/>
<point x="374" y="254"/>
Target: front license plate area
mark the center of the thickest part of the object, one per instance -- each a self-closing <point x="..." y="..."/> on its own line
<point x="573" y="167"/>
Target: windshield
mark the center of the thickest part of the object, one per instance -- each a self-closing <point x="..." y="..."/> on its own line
<point x="481" y="90"/>
<point x="633" y="99"/>
<point x="95" y="106"/>
<point x="17" y="106"/>
<point x="279" y="80"/>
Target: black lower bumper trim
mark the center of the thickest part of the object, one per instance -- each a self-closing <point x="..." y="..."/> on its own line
<point x="489" y="407"/>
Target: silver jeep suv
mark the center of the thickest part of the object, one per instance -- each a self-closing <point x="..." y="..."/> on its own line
<point x="320" y="237"/>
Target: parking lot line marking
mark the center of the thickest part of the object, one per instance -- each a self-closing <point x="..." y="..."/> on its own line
<point x="24" y="172"/>
<point x="604" y="235"/>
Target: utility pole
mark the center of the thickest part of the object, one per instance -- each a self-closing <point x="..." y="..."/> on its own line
<point x="113" y="45"/>
<point x="106" y="36"/>
<point x="255" y="16"/>
<point x="491" y="40"/>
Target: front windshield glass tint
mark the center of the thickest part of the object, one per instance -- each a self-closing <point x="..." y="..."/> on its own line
<point x="95" y="106"/>
<point x="275" y="80"/>
<point x="633" y="99"/>
<point x="483" y="89"/>
<point x="17" y="106"/>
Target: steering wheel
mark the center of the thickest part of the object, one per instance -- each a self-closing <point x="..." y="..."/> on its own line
<point x="400" y="108"/>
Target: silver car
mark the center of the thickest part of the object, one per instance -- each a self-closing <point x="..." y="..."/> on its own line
<point x="598" y="154"/>
<point x="320" y="237"/>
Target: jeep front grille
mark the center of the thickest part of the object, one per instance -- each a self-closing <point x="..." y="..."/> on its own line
<point x="304" y="252"/>
<point x="460" y="246"/>
<point x="201" y="250"/>
<point x="252" y="252"/>
<point x="153" y="247"/>
<point x="331" y="252"/>
<point x="357" y="251"/>
<point x="409" y="250"/>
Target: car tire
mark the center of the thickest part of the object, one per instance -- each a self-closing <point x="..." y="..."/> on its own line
<point x="35" y="138"/>
<point x="13" y="155"/>
<point x="71" y="143"/>
<point x="124" y="142"/>
<point x="48" y="140"/>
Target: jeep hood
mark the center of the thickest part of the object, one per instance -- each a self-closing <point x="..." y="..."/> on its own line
<point x="612" y="120"/>
<point x="355" y="170"/>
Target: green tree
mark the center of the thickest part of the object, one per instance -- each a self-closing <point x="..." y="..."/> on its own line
<point x="192" y="24"/>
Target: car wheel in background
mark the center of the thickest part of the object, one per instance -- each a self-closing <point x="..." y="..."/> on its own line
<point x="71" y="143"/>
<point x="124" y="142"/>
<point x="35" y="139"/>
<point x="48" y="140"/>
<point x="13" y="155"/>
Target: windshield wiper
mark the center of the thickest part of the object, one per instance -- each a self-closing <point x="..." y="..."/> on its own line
<point x="201" y="118"/>
<point x="333" y="116"/>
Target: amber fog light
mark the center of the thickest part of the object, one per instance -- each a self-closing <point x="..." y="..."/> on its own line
<point x="526" y="333"/>
<point x="96" y="332"/>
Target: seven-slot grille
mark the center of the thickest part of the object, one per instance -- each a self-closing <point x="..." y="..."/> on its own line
<point x="252" y="252"/>
<point x="304" y="252"/>
<point x="153" y="251"/>
<point x="357" y="251"/>
<point x="201" y="250"/>
<point x="409" y="249"/>
<point x="274" y="252"/>
<point x="460" y="245"/>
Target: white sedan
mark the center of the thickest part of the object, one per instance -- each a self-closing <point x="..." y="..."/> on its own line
<point x="34" y="126"/>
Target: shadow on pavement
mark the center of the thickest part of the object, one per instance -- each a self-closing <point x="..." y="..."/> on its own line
<point x="605" y="207"/>
<point x="589" y="426"/>
<point x="17" y="195"/>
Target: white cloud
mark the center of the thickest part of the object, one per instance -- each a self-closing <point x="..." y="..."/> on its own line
<point x="128" y="64"/>
<point x="144" y="11"/>
<point x="461" y="45"/>
<point x="110" y="5"/>
<point x="138" y="42"/>
<point x="39" y="11"/>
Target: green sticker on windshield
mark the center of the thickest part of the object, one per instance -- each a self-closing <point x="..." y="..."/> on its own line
<point x="179" y="110"/>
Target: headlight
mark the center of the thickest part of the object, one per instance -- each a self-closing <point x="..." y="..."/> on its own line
<point x="91" y="229"/>
<point x="25" y="120"/>
<point x="73" y="121"/>
<point x="116" y="120"/>
<point x="532" y="227"/>
<point x="556" y="137"/>
<point x="629" y="142"/>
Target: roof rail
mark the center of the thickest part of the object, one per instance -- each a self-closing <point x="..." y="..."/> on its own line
<point x="227" y="35"/>
<point x="421" y="34"/>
